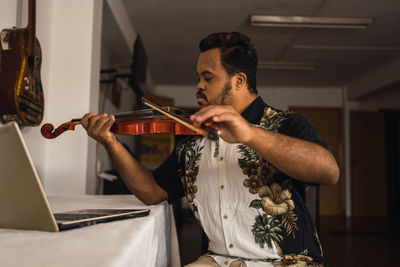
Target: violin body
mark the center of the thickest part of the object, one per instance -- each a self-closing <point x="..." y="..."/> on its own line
<point x="155" y="125"/>
<point x="21" y="93"/>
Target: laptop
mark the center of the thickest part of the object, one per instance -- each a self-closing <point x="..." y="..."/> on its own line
<point x="23" y="203"/>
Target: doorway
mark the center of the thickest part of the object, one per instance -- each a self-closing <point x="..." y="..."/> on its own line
<point x="392" y="137"/>
<point x="329" y="124"/>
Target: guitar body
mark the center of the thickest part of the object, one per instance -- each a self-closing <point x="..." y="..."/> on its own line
<point x="21" y="93"/>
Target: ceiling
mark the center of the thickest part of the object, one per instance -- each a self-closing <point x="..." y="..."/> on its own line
<point x="171" y="31"/>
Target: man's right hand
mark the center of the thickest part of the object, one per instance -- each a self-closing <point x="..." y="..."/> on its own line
<point x="98" y="127"/>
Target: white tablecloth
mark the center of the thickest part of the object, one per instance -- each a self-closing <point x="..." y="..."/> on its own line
<point x="146" y="241"/>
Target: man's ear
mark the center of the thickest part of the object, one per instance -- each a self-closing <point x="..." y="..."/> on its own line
<point x="240" y="80"/>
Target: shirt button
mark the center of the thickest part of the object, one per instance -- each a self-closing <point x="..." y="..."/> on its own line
<point x="230" y="246"/>
<point x="226" y="262"/>
<point x="221" y="158"/>
<point x="222" y="187"/>
<point x="225" y="216"/>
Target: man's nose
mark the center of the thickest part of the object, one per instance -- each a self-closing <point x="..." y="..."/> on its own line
<point x="200" y="86"/>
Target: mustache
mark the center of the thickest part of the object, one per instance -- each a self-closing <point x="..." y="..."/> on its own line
<point x="201" y="95"/>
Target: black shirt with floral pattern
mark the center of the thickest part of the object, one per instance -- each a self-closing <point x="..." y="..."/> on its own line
<point x="282" y="221"/>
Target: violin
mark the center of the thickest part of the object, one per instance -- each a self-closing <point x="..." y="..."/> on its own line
<point x="148" y="121"/>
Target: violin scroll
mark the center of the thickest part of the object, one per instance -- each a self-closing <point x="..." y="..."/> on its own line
<point x="48" y="131"/>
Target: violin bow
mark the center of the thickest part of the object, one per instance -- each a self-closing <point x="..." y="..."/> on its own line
<point x="206" y="130"/>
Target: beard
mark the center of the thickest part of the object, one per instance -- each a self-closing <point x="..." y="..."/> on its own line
<point x="223" y="98"/>
<point x="226" y="95"/>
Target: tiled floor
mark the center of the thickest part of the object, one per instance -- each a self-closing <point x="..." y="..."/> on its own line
<point x="357" y="242"/>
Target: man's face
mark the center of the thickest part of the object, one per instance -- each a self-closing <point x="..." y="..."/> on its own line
<point x="214" y="84"/>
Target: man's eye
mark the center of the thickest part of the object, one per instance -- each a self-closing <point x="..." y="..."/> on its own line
<point x="207" y="79"/>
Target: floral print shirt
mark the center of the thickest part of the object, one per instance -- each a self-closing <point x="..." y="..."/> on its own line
<point x="249" y="210"/>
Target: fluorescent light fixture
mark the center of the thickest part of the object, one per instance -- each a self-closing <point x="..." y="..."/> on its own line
<point x="286" y="65"/>
<point x="332" y="47"/>
<point x="310" y="22"/>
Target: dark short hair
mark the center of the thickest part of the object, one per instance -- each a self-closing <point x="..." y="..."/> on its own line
<point x="237" y="54"/>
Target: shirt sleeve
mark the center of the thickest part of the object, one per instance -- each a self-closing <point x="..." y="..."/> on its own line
<point x="167" y="177"/>
<point x="298" y="126"/>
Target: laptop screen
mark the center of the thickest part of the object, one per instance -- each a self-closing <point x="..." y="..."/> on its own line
<point x="23" y="203"/>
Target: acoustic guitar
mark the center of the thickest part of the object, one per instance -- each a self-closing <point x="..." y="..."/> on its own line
<point x="21" y="92"/>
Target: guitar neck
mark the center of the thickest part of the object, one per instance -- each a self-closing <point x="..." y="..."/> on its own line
<point x="32" y="26"/>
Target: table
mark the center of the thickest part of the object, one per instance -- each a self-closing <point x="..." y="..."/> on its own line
<point x="146" y="241"/>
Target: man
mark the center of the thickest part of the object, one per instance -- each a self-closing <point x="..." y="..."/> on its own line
<point x="248" y="188"/>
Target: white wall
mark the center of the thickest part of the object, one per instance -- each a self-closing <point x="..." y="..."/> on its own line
<point x="70" y="39"/>
<point x="278" y="97"/>
<point x="184" y="95"/>
<point x="282" y="98"/>
<point x="74" y="66"/>
<point x="8" y="19"/>
<point x="388" y="99"/>
<point x="375" y="80"/>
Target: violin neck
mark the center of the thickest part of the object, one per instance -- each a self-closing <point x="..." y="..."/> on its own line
<point x="136" y="114"/>
<point x="146" y="113"/>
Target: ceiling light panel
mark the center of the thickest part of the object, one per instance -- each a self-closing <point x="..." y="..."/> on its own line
<point x="332" y="47"/>
<point x="310" y="22"/>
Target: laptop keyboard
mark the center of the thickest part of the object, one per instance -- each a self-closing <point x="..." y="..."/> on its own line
<point x="73" y="217"/>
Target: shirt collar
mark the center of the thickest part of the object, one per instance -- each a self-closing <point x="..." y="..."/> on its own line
<point x="254" y="112"/>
